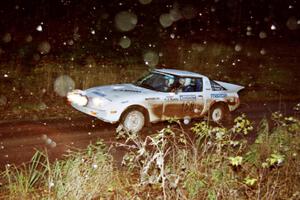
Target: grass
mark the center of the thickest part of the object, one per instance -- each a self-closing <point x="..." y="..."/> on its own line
<point x="210" y="162"/>
<point x="81" y="175"/>
<point x="21" y="180"/>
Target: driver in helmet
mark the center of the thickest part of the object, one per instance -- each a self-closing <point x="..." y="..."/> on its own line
<point x="178" y="85"/>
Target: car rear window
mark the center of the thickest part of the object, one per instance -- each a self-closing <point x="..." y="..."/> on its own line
<point x="216" y="86"/>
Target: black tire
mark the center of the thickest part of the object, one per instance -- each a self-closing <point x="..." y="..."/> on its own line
<point x="134" y="119"/>
<point x="219" y="113"/>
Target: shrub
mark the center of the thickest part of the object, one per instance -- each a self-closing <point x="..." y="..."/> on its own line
<point x="205" y="162"/>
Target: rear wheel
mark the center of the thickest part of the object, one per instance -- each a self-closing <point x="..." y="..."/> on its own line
<point x="218" y="113"/>
<point x="134" y="120"/>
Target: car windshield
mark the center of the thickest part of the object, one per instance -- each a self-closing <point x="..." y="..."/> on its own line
<point x="157" y="81"/>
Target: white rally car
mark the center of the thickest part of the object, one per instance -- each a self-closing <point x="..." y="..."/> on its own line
<point x="160" y="95"/>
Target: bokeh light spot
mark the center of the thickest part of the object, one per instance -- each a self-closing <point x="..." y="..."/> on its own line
<point x="125" y="42"/>
<point x="44" y="47"/>
<point x="189" y="12"/>
<point x="151" y="58"/>
<point x="262" y="35"/>
<point x="63" y="84"/>
<point x="125" y="21"/>
<point x="7" y="38"/>
<point x="238" y="47"/>
<point x="144" y="2"/>
<point x="292" y="23"/>
<point x="165" y="20"/>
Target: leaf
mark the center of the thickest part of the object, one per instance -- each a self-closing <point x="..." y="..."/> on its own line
<point x="275" y="159"/>
<point x="212" y="195"/>
<point x="236" y="161"/>
<point x="250" y="181"/>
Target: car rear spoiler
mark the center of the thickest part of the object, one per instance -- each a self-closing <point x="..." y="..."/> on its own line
<point x="230" y="87"/>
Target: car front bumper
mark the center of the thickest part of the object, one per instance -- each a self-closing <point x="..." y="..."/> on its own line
<point x="103" y="115"/>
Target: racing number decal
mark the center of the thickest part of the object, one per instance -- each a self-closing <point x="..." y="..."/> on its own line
<point x="183" y="105"/>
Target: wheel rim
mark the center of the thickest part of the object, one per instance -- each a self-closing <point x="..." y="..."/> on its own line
<point x="217" y="114"/>
<point x="134" y="121"/>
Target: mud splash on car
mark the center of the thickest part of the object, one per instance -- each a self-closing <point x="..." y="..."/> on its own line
<point x="177" y="110"/>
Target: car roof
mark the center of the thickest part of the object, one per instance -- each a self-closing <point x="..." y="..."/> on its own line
<point x="177" y="72"/>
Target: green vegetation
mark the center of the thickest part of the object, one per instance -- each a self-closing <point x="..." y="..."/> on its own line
<point x="206" y="162"/>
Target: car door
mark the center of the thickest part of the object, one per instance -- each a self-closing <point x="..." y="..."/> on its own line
<point x="186" y="101"/>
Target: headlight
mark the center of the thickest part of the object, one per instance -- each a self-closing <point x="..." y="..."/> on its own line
<point x="82" y="100"/>
<point x="99" y="101"/>
<point x="78" y="99"/>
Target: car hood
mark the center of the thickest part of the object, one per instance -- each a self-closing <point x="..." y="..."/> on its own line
<point x="118" y="91"/>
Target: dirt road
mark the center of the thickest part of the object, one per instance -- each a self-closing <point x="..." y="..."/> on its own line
<point x="20" y="139"/>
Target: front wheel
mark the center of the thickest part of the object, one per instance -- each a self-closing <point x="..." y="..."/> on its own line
<point x="133" y="120"/>
<point x="218" y="113"/>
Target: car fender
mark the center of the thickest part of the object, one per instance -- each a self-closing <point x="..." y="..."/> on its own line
<point x="231" y="101"/>
<point x="130" y="106"/>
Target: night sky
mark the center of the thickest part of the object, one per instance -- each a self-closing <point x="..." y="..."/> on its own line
<point x="91" y="24"/>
